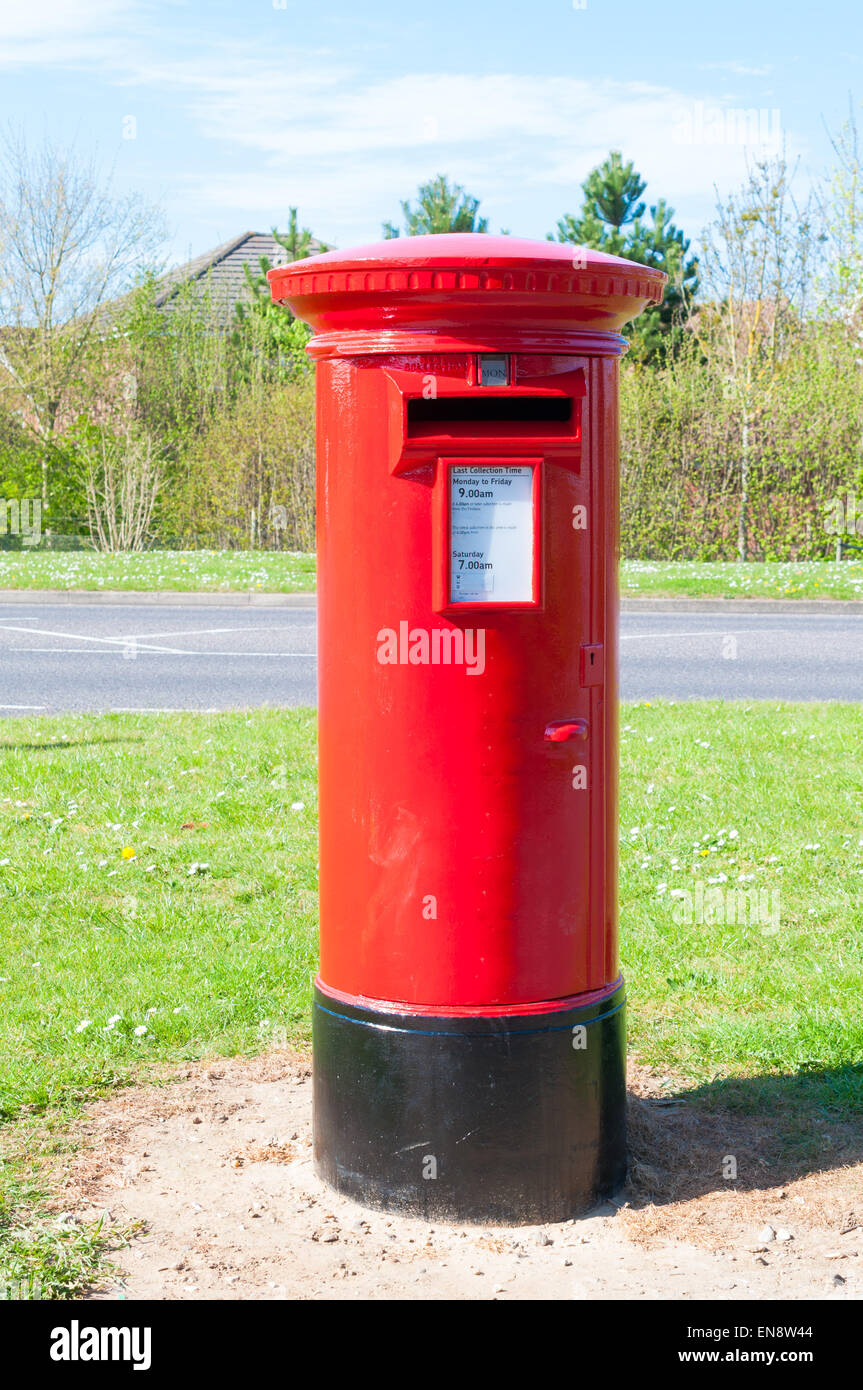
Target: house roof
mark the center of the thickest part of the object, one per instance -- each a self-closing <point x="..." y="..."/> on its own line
<point x="222" y="269"/>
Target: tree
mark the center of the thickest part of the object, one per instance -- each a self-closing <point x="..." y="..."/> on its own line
<point x="250" y="475"/>
<point x="174" y="363"/>
<point x="842" y="283"/>
<point x="70" y="243"/>
<point x="122" y="477"/>
<point x="612" y="220"/>
<point x="611" y="201"/>
<point x="268" y="328"/>
<point x="758" y="260"/>
<point x="439" y="209"/>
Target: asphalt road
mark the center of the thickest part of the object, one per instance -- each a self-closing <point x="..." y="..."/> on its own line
<point x="55" y="658"/>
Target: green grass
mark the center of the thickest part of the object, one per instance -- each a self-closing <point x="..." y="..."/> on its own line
<point x="109" y="965"/>
<point x="182" y="961"/>
<point x="730" y="579"/>
<point x="46" y="1256"/>
<point x="229" y="571"/>
<point x="217" y="959"/>
<point x="713" y="791"/>
<point x="187" y="571"/>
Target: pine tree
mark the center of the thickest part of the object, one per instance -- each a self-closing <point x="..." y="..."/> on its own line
<point x="439" y="209"/>
<point x="297" y="241"/>
<point x="611" y="201"/>
<point x="270" y="327"/>
<point x="612" y="220"/>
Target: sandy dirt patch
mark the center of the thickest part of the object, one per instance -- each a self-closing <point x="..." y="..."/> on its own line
<point x="215" y="1161"/>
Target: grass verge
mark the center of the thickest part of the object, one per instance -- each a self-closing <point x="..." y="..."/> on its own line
<point x="158" y="879"/>
<point x="183" y="571"/>
<point x="730" y="579"/>
<point x="212" y="571"/>
<point x="46" y="1255"/>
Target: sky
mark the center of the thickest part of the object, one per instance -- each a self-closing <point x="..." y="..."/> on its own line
<point x="228" y="113"/>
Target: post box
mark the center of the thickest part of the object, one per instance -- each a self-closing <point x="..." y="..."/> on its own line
<point x="469" y="1011"/>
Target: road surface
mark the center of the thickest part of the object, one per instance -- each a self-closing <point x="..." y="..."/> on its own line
<point x="55" y="658"/>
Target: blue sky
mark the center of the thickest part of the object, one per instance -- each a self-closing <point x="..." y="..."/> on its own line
<point x="238" y="110"/>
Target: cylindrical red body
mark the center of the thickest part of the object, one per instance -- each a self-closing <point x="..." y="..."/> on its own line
<point x="467" y="599"/>
<point x="436" y="781"/>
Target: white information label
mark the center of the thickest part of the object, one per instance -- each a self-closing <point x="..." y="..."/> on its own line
<point x="491" y="534"/>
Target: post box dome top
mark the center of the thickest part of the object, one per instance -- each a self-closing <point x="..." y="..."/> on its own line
<point x="465" y="291"/>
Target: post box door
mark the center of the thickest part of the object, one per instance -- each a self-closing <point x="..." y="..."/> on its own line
<point x="465" y="847"/>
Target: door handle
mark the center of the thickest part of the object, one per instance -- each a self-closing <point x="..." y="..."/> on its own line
<point x="565" y="730"/>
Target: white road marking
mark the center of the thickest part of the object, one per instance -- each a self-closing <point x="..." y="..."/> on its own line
<point x="77" y="637"/>
<point x="716" y="632"/>
<point x="206" y="631"/>
<point x="157" y="651"/>
<point x="23" y="706"/>
<point x="193" y="632"/>
<point x="755" y="617"/>
<point x="727" y="632"/>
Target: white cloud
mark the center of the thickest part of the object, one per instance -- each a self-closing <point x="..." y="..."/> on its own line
<point x="77" y="32"/>
<point x="34" y="21"/>
<point x="335" y="142"/>
<point x="738" y="69"/>
<point x="19" y="21"/>
<point x="308" y="127"/>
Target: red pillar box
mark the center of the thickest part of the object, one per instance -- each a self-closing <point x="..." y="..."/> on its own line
<point x="468" y="1016"/>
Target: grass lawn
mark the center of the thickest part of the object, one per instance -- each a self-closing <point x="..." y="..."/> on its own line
<point x="730" y="579"/>
<point x="294" y="572"/>
<point x="158" y="902"/>
<point x="188" y="571"/>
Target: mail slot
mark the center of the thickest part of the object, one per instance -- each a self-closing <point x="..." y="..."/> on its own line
<point x="468" y="1013"/>
<point x="498" y="414"/>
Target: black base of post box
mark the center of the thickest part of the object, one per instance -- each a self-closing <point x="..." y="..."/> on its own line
<point x="512" y="1120"/>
